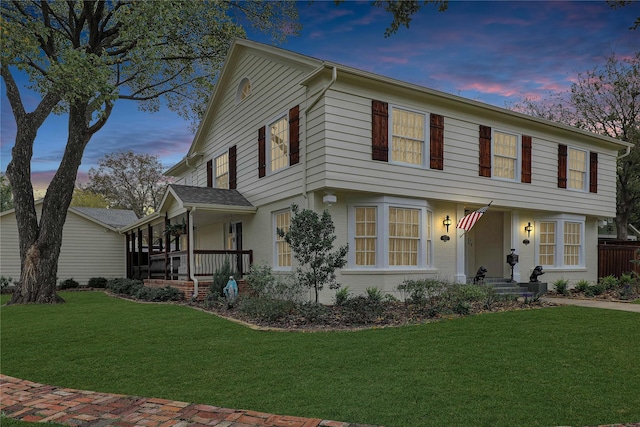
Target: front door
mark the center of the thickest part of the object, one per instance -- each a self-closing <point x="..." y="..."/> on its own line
<point x="484" y="245"/>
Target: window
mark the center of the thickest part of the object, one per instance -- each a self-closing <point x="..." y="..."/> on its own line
<point x="561" y="241"/>
<point x="407" y="136"/>
<point x="278" y="144"/>
<point x="404" y="236"/>
<point x="222" y="171"/>
<point x="577" y="169"/>
<point x="547" y="243"/>
<point x="572" y="243"/>
<point x="365" y="236"/>
<point x="244" y="89"/>
<point x="282" y="221"/>
<point x="390" y="233"/>
<point x="505" y="155"/>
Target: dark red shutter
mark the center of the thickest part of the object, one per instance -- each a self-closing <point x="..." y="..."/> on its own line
<point x="262" y="154"/>
<point x="436" y="151"/>
<point x="380" y="130"/>
<point x="485" y="151"/>
<point x="526" y="159"/>
<point x="294" y="136"/>
<point x="210" y="173"/>
<point x="232" y="168"/>
<point x="562" y="166"/>
<point x="593" y="172"/>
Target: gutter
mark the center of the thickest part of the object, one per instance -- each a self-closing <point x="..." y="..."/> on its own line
<point x="334" y="77"/>
<point x="192" y="274"/>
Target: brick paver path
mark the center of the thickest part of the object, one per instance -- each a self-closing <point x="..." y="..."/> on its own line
<point x="29" y="401"/>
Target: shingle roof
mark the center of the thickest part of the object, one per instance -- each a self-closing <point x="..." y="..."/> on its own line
<point x="211" y="196"/>
<point x="115" y="218"/>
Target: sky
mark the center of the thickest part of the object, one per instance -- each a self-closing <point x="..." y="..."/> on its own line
<point x="497" y="52"/>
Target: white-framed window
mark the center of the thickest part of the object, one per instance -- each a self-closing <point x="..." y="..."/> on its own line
<point x="282" y="250"/>
<point x="244" y="90"/>
<point x="561" y="241"/>
<point x="278" y="144"/>
<point x="577" y="169"/>
<point x="221" y="171"/>
<point x="366" y="235"/>
<point x="404" y="236"/>
<point x="505" y="155"/>
<point x="390" y="233"/>
<point x="408" y="132"/>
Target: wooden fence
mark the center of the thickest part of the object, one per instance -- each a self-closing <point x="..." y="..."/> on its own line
<point x="614" y="258"/>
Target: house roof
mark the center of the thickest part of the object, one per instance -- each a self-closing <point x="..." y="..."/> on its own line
<point x="110" y="218"/>
<point x="318" y="67"/>
<point x="115" y="218"/>
<point x="190" y="195"/>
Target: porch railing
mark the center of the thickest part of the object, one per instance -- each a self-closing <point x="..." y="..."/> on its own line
<point x="206" y="263"/>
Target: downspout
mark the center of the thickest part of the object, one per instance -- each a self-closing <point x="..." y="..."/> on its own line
<point x="192" y="273"/>
<point x="625" y="154"/>
<point x="334" y="76"/>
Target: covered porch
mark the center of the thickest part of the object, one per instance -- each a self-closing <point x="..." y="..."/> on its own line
<point x="196" y="231"/>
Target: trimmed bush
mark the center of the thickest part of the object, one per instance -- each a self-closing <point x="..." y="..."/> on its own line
<point x="98" y="282"/>
<point x="124" y="286"/>
<point x="265" y="309"/>
<point x="220" y="279"/>
<point x="167" y="293"/>
<point x="68" y="284"/>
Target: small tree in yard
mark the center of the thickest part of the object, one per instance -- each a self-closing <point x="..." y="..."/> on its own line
<point x="311" y="238"/>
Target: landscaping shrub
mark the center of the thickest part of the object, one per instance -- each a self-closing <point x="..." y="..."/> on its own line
<point x="266" y="285"/>
<point x="374" y="295"/>
<point x="582" y="285"/>
<point x="420" y="292"/>
<point x="561" y="286"/>
<point x="313" y="312"/>
<point x="362" y="310"/>
<point x="124" y="286"/>
<point x="610" y="282"/>
<point x="5" y="281"/>
<point x="98" y="282"/>
<point x="68" y="284"/>
<point x="462" y="308"/>
<point x="265" y="309"/>
<point x="595" y="290"/>
<point x="167" y="293"/>
<point x="342" y="296"/>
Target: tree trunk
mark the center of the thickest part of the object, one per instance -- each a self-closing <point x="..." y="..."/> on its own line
<point x="39" y="262"/>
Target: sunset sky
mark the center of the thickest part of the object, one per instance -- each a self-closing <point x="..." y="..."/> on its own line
<point x="493" y="52"/>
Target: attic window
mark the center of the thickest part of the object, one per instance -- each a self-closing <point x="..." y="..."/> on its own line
<point x="244" y="89"/>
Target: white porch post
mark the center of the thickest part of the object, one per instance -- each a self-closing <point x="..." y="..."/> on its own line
<point x="515" y="242"/>
<point x="460" y="276"/>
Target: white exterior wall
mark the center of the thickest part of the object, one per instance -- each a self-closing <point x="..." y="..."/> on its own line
<point x="345" y="162"/>
<point x="88" y="250"/>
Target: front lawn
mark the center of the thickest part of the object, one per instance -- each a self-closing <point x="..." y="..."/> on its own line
<point x="553" y="366"/>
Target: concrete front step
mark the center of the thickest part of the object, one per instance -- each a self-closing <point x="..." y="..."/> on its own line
<point x="506" y="286"/>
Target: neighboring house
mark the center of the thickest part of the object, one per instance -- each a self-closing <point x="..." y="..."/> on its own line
<point x="391" y="161"/>
<point x="91" y="243"/>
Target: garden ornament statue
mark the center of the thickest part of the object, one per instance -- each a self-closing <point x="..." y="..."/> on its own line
<point x="231" y="291"/>
<point x="480" y="274"/>
<point x="535" y="273"/>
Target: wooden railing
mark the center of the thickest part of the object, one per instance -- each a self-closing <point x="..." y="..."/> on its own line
<point x="206" y="263"/>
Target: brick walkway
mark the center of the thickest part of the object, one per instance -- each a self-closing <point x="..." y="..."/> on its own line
<point x="29" y="401"/>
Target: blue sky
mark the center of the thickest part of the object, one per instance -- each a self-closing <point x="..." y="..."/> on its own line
<point x="490" y="51"/>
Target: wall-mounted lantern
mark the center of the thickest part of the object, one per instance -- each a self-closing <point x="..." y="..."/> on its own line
<point x="447" y="222"/>
<point x="528" y="228"/>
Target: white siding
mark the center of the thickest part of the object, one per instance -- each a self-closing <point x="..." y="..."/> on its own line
<point x="88" y="250"/>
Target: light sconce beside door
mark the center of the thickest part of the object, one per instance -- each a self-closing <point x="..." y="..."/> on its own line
<point x="447" y="222"/>
<point x="528" y="229"/>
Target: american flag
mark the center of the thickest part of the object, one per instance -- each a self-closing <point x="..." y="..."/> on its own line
<point x="468" y="221"/>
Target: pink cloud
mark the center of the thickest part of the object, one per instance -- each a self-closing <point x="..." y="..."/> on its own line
<point x="493" y="88"/>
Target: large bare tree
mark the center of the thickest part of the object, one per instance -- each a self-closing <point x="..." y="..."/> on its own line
<point x="129" y="181"/>
<point x="83" y="56"/>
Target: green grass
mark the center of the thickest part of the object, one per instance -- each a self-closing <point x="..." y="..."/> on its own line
<point x="10" y="422"/>
<point x="555" y="366"/>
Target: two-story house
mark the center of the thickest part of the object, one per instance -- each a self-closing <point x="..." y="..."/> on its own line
<point x="393" y="162"/>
